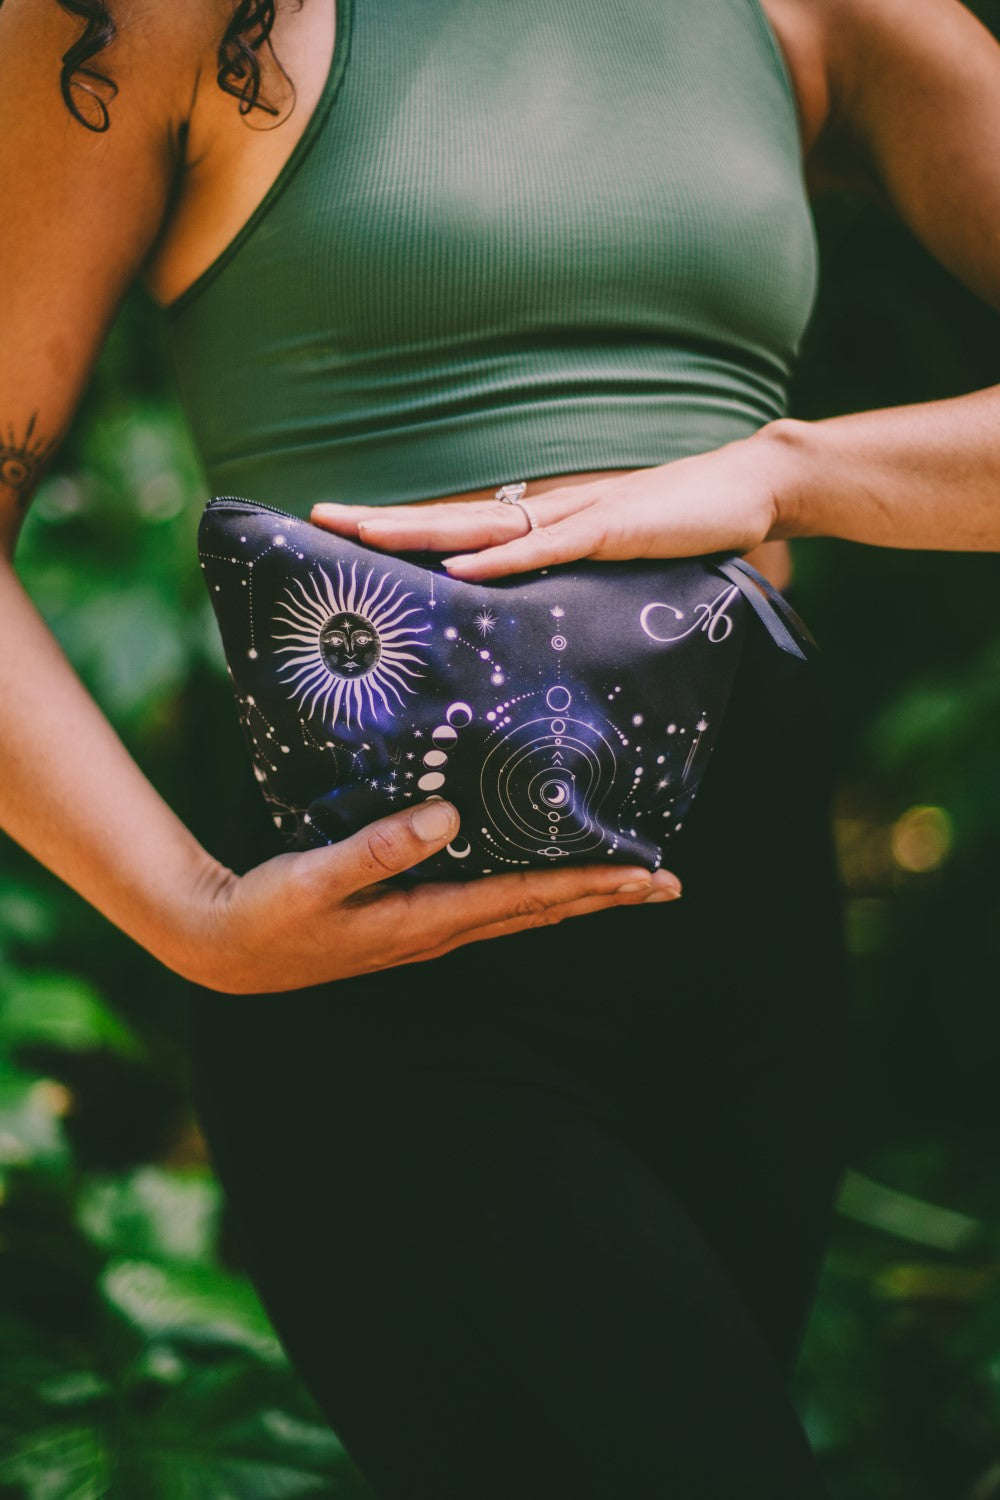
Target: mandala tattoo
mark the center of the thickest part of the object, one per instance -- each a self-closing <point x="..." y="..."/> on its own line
<point x="22" y="461"/>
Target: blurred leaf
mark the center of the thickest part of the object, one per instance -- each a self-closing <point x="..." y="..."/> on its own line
<point x="42" y="1369"/>
<point x="31" y="1132"/>
<point x="72" y="1388"/>
<point x="60" y="1010"/>
<point x="126" y="645"/>
<point x="225" y="1431"/>
<point x="61" y="1461"/>
<point x="190" y="1303"/>
<point x="25" y="915"/>
<point x="930" y="1283"/>
<point x="883" y="1207"/>
<point x="987" y="1485"/>
<point x="152" y="1213"/>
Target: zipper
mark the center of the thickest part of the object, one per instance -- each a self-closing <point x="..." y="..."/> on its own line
<point x="784" y="625"/>
<point x="228" y="502"/>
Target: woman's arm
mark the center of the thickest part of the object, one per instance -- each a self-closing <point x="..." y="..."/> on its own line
<point x="921" y="476"/>
<point x="914" y="120"/>
<point x="82" y="213"/>
<point x="73" y="797"/>
<point x="916" y="126"/>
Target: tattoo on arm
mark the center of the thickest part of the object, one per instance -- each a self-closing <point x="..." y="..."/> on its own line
<point x="22" y="461"/>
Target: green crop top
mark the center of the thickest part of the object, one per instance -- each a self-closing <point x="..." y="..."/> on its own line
<point x="516" y="239"/>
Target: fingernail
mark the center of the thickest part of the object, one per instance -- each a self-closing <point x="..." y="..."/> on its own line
<point x="632" y="886"/>
<point x="670" y="893"/>
<point x="433" y="821"/>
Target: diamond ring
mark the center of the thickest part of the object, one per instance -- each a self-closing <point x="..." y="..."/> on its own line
<point x="513" y="494"/>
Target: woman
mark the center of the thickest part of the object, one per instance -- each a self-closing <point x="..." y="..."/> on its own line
<point x="569" y="1194"/>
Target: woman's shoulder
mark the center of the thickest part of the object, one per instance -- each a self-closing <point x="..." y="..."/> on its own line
<point x="88" y="154"/>
<point x="136" y="63"/>
<point x="898" y="76"/>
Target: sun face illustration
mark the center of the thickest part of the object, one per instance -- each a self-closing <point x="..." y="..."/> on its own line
<point x="351" y="649"/>
<point x="349" y="645"/>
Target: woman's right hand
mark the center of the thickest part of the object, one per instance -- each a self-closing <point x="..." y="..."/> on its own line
<point x="72" y="796"/>
<point x="306" y="918"/>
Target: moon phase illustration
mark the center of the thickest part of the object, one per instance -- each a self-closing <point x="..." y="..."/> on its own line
<point x="352" y="644"/>
<point x="366" y="684"/>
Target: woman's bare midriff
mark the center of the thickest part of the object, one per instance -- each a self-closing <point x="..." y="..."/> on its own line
<point x="773" y="559"/>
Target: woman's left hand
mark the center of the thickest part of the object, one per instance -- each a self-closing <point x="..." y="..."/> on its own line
<point x="728" y="499"/>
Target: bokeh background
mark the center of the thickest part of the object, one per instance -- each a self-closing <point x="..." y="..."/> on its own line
<point x="136" y="1359"/>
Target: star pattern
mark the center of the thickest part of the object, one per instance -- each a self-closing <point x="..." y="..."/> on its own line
<point x="553" y="762"/>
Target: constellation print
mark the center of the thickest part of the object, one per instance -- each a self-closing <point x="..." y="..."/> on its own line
<point x="555" y="718"/>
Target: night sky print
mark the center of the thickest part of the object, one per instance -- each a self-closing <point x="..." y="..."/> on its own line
<point x="568" y="714"/>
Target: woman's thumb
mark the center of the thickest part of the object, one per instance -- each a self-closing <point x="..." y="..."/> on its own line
<point x="396" y="843"/>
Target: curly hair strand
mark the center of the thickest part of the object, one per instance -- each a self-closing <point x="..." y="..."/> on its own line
<point x="238" y="59"/>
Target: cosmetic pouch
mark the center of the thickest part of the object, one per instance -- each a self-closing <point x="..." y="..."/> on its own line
<point x="569" y="714"/>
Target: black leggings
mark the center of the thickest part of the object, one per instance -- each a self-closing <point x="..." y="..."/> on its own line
<point x="544" y="1217"/>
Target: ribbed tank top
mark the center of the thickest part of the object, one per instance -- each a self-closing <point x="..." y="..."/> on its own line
<point x="514" y="240"/>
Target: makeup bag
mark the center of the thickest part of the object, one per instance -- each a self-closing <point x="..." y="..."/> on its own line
<point x="569" y="714"/>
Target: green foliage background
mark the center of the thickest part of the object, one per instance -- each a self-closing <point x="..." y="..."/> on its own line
<point x="137" y="1361"/>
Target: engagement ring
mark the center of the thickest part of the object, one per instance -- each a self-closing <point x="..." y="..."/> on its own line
<point x="513" y="494"/>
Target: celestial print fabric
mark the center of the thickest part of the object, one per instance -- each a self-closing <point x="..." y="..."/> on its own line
<point x="569" y="714"/>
